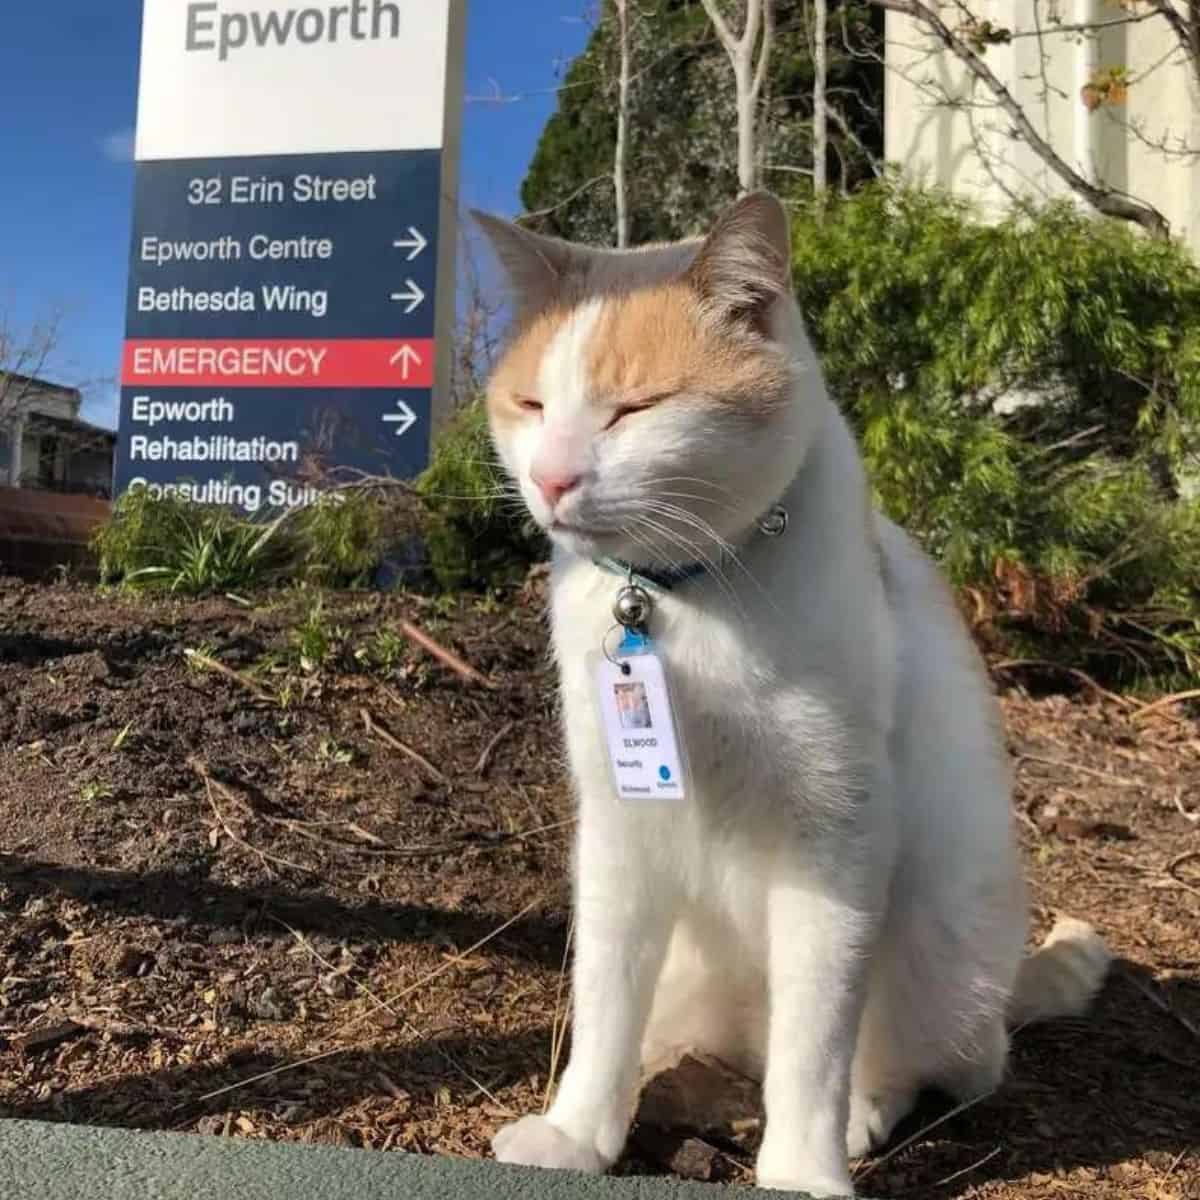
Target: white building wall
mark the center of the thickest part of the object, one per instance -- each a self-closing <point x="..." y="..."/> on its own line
<point x="944" y="128"/>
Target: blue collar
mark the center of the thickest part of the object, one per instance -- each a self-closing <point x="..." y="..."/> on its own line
<point x="651" y="578"/>
<point x="771" y="524"/>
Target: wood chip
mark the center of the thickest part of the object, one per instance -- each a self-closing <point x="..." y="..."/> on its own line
<point x="40" y="1041"/>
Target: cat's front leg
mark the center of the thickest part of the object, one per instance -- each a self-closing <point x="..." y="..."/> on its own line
<point x="819" y="931"/>
<point x="622" y="924"/>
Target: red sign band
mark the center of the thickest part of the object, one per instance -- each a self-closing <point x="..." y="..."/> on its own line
<point x="292" y="363"/>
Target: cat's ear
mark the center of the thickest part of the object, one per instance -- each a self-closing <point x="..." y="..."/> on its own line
<point x="536" y="266"/>
<point x="744" y="264"/>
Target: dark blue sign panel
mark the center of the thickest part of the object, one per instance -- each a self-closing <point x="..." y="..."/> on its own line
<point x="280" y="323"/>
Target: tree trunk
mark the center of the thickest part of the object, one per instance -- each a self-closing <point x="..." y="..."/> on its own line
<point x="621" y="153"/>
<point x="749" y="55"/>
<point x="820" y="123"/>
<point x="747" y="121"/>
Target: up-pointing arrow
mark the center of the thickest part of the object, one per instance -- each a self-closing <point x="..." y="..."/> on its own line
<point x="408" y="358"/>
<point x="412" y="296"/>
<point x="404" y="420"/>
<point x="415" y="242"/>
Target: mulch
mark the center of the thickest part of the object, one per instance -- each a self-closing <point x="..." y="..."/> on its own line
<point x="328" y="902"/>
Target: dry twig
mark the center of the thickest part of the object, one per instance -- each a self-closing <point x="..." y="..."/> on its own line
<point x="1162" y="1004"/>
<point x="1194" y="817"/>
<point x="312" y="1058"/>
<point x="201" y="769"/>
<point x="562" y="1019"/>
<point x="211" y="664"/>
<point x="485" y="759"/>
<point x="412" y="1030"/>
<point x="973" y="1167"/>
<point x="1166" y="701"/>
<point x="1108" y="776"/>
<point x="908" y="1141"/>
<point x="446" y="657"/>
<point x="1013" y="664"/>
<point x="373" y="727"/>
<point x="1173" y="866"/>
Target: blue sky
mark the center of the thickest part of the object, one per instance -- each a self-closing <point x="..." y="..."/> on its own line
<point x="68" y="95"/>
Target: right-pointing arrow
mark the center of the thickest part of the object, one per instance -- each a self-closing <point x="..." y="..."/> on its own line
<point x="404" y="420"/>
<point x="408" y="358"/>
<point x="412" y="296"/>
<point x="414" y="243"/>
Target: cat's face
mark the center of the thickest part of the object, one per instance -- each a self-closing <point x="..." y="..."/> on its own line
<point x="644" y="406"/>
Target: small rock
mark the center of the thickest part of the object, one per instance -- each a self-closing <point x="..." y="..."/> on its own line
<point x="272" y="1005"/>
<point x="224" y="937"/>
<point x="337" y="985"/>
<point x="687" y="1157"/>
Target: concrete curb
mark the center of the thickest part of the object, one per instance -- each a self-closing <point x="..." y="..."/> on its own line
<point x="41" y="1161"/>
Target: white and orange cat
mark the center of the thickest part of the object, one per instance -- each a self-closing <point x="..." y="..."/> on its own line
<point x="837" y="905"/>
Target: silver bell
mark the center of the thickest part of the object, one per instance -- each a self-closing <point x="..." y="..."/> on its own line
<point x="774" y="522"/>
<point x="632" y="607"/>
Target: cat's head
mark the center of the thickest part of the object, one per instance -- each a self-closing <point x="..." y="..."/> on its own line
<point x="646" y="402"/>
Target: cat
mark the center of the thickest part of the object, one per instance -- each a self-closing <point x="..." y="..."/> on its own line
<point x="836" y="905"/>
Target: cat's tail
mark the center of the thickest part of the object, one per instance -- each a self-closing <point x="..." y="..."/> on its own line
<point x="1062" y="976"/>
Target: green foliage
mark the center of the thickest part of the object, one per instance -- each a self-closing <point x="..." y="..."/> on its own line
<point x="341" y="538"/>
<point x="1024" y="393"/>
<point x="168" y="543"/>
<point x="384" y="652"/>
<point x="475" y="527"/>
<point x="171" y="543"/>
<point x="315" y="640"/>
<point x="683" y="125"/>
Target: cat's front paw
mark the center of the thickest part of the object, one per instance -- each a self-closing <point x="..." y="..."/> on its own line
<point x="790" y="1173"/>
<point x="872" y="1118"/>
<point x="534" y="1142"/>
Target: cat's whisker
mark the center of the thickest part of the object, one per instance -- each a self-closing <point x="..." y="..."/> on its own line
<point x="708" y="483"/>
<point x="698" y="499"/>
<point x="697" y="553"/>
<point x="729" y="550"/>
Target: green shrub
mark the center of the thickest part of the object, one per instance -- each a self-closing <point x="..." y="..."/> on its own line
<point x="475" y="526"/>
<point x="165" y="542"/>
<point x="342" y="537"/>
<point x="170" y="543"/>
<point x="1060" y="512"/>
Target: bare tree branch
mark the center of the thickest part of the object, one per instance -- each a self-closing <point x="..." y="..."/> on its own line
<point x="1103" y="199"/>
<point x="724" y="33"/>
<point x="765" y="47"/>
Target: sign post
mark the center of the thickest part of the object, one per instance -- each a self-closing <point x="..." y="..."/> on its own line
<point x="291" y="288"/>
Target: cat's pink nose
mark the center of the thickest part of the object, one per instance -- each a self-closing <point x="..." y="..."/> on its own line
<point x="554" y="487"/>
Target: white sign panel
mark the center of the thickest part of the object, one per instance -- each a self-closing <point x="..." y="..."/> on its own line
<point x="241" y="77"/>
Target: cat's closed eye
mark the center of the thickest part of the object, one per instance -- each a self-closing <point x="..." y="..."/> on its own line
<point x="620" y="414"/>
<point x="528" y="404"/>
<point x="628" y="410"/>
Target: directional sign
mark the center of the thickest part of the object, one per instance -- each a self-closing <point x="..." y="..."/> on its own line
<point x="290" y="296"/>
<point x="404" y="420"/>
<point x="412" y="297"/>
<point x="415" y="242"/>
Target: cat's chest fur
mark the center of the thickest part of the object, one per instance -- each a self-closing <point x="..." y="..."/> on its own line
<point x="765" y="733"/>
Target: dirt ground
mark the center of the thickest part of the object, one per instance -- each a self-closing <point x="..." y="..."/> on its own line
<point x="235" y="904"/>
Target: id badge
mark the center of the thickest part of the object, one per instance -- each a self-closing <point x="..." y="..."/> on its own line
<point x="644" y="750"/>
